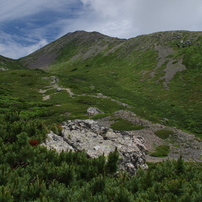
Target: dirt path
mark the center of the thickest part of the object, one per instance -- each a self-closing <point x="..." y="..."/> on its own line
<point x="54" y="85"/>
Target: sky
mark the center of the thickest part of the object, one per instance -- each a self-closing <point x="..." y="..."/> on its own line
<point x="26" y="26"/>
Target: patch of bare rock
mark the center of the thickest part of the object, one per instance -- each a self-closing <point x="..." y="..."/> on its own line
<point x="181" y="143"/>
<point x="172" y="65"/>
<point x="89" y="136"/>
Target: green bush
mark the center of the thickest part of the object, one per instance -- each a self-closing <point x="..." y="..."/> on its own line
<point x="33" y="173"/>
<point x="161" y="151"/>
<point x="112" y="163"/>
<point x="164" y="133"/>
<point x="121" y="124"/>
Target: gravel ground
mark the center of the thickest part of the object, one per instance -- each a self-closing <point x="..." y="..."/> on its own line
<point x="181" y="143"/>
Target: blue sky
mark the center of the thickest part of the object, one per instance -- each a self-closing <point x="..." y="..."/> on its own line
<point x="26" y="26"/>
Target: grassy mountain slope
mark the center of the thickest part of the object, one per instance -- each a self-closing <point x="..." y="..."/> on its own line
<point x="78" y="45"/>
<point x="9" y="64"/>
<point x="158" y="75"/>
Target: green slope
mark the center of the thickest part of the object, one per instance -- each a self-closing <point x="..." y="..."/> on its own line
<point x="158" y="75"/>
<point x="9" y="64"/>
<point x="129" y="73"/>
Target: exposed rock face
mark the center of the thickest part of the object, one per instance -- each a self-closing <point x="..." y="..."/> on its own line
<point x="96" y="140"/>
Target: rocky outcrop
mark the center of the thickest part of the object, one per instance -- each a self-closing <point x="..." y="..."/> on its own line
<point x="96" y="140"/>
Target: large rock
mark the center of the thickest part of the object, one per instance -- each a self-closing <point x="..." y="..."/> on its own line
<point x="96" y="140"/>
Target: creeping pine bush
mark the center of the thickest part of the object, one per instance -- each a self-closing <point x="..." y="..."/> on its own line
<point x="30" y="172"/>
<point x="121" y="124"/>
<point x="161" y="151"/>
<point x="164" y="133"/>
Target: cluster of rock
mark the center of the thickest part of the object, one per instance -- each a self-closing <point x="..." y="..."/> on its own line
<point x="183" y="44"/>
<point x="95" y="140"/>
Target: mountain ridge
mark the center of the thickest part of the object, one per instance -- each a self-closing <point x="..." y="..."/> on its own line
<point x="53" y="49"/>
<point x="96" y="43"/>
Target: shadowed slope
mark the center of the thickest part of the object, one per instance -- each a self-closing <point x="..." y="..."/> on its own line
<point x="9" y="64"/>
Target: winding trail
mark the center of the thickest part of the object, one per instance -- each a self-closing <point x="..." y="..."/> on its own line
<point x="54" y="85"/>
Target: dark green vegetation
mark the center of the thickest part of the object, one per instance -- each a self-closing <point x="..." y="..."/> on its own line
<point x="9" y="64"/>
<point x="158" y="75"/>
<point x="29" y="172"/>
<point x="161" y="151"/>
<point x="19" y="92"/>
<point x="121" y="124"/>
<point x="164" y="133"/>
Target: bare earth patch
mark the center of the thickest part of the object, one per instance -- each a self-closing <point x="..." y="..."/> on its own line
<point x="181" y="143"/>
<point x="172" y="66"/>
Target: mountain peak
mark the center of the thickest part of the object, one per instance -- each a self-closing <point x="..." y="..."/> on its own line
<point x="79" y="40"/>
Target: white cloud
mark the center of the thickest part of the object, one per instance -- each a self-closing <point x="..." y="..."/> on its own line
<point x="158" y="15"/>
<point x="130" y="18"/>
<point x="10" y="48"/>
<point x="113" y="18"/>
<point x="18" y="9"/>
<point x="15" y="50"/>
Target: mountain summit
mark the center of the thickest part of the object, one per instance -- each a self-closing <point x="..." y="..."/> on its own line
<point x="81" y="43"/>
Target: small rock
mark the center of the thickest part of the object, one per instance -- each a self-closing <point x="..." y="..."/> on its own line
<point x="59" y="89"/>
<point x="92" y="111"/>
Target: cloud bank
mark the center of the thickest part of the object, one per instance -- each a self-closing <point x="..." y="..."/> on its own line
<point x="28" y="25"/>
<point x="10" y="48"/>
